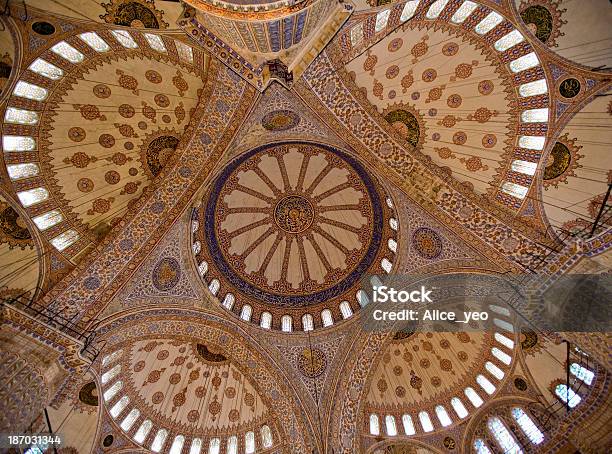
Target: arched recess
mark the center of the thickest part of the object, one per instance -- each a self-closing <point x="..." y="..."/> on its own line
<point x="208" y="341"/>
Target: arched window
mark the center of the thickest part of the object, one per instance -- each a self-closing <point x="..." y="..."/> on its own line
<point x="232" y="445"/>
<point x="246" y="312"/>
<point x="503" y="436"/>
<point x="390" y="425"/>
<point x="392" y="245"/>
<point x="374" y="425"/>
<point x="20" y="116"/>
<point x="525" y="62"/>
<point x="537" y="87"/>
<point x="46" y="69"/>
<point x="407" y="13"/>
<point x="214" y="286"/>
<point x="155" y="42"/>
<point x="503" y="325"/>
<point x="228" y="301"/>
<point x="177" y="445"/>
<point x="119" y="406"/>
<point x="110" y="392"/>
<point x="345" y="309"/>
<point x="473" y="397"/>
<point x="506" y="342"/>
<point x="436" y="8"/>
<point x="65" y="239"/>
<point x="386" y="265"/>
<point x="527" y="426"/>
<point x="503" y="357"/>
<point x="249" y="443"/>
<point x="30" y="91"/>
<point x="499" y="310"/>
<point x="266" y="320"/>
<point x="112" y="357"/>
<point x="18" y="143"/>
<point x="94" y="41"/>
<point x="307" y="322"/>
<point x="582" y="373"/>
<point x="510" y="40"/>
<point x="130" y="419"/>
<point x="143" y="431"/>
<point x="491" y="20"/>
<point x="425" y="421"/>
<point x="485" y="384"/>
<point x="196" y="247"/>
<point x="326" y="317"/>
<point x="408" y="425"/>
<point x="196" y="446"/>
<point x="480" y="447"/>
<point x="25" y="170"/>
<point x="125" y="39"/>
<point x="443" y="416"/>
<point x="32" y="196"/>
<point x="159" y="440"/>
<point x="362" y="298"/>
<point x="459" y="407"/>
<point x="286" y="323"/>
<point x="194" y="226"/>
<point x="393" y="223"/>
<point x="389" y="202"/>
<point x="65" y="50"/>
<point x="567" y="395"/>
<point x="214" y="446"/>
<point x="464" y="11"/>
<point x="266" y="436"/>
<point x="203" y="268"/>
<point x="494" y="370"/>
<point x="109" y="375"/>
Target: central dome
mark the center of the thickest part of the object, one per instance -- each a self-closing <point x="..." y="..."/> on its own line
<point x="293" y="225"/>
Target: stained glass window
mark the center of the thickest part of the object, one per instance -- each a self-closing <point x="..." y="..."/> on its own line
<point x="119" y="406"/>
<point x="307" y="322"/>
<point x="525" y="62"/>
<point x="443" y="417"/>
<point x="537" y="87"/>
<point x="20" y="116"/>
<point x="30" y="91"/>
<point x="506" y="342"/>
<point x="491" y="21"/>
<point x="510" y="40"/>
<point x="409" y="10"/>
<point x="109" y="375"/>
<point x="356" y="34"/>
<point x="326" y="317"/>
<point x="194" y="226"/>
<point x="125" y="39"/>
<point x="408" y="425"/>
<point x="392" y="245"/>
<point x="213" y="448"/>
<point x="63" y="240"/>
<point x="535" y="115"/>
<point x="266" y="320"/>
<point x="567" y="394"/>
<point x="228" y="301"/>
<point x="459" y="407"/>
<point x="25" y="170"/>
<point x="481" y="447"/>
<point x="381" y="20"/>
<point x="46" y="69"/>
<point x="393" y="223"/>
<point x="499" y="310"/>
<point x="196" y="446"/>
<point x="214" y="286"/>
<point x="473" y="397"/>
<point x="503" y="357"/>
<point x="390" y="425"/>
<point x="110" y="392"/>
<point x="515" y="190"/>
<point x="249" y="443"/>
<point x="130" y="419"/>
<point x="203" y="268"/>
<point x="503" y="436"/>
<point x="185" y="52"/>
<point x="32" y="196"/>
<point x="494" y="370"/>
<point x="266" y="436"/>
<point x="389" y="200"/>
<point x="143" y="431"/>
<point x="582" y="373"/>
<point x="485" y="384"/>
<point x="345" y="309"/>
<point x="463" y="12"/>
<point x="245" y="312"/>
<point x="425" y="421"/>
<point x="527" y="426"/>
<point x="155" y="42"/>
<point x="436" y="8"/>
<point x="374" y="425"/>
<point x="94" y="41"/>
<point x="232" y="445"/>
<point x="108" y="358"/>
<point x="18" y="143"/>
<point x="386" y="265"/>
<point x="159" y="440"/>
<point x="286" y="323"/>
<point x="526" y="167"/>
<point x="362" y="298"/>
<point x="66" y="51"/>
<point x="502" y="323"/>
<point x="196" y="247"/>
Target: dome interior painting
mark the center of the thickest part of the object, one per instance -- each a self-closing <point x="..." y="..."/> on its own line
<point x="306" y="226"/>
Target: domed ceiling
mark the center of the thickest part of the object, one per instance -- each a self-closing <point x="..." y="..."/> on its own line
<point x="292" y="228"/>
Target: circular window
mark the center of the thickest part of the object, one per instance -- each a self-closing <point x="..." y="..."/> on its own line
<point x="108" y="440"/>
<point x="43" y="28"/>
